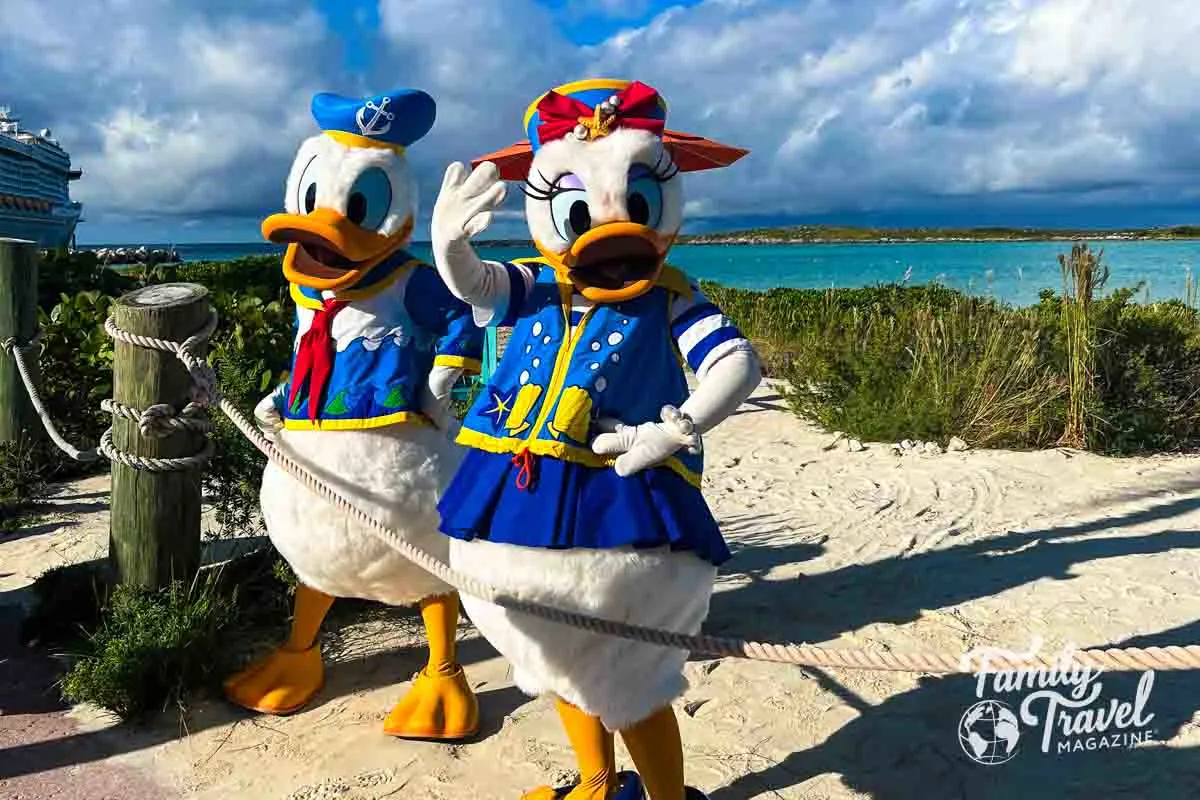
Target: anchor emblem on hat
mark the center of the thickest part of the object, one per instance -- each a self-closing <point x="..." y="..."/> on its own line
<point x="373" y="126"/>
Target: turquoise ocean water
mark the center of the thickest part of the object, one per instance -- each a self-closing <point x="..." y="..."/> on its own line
<point x="1011" y="271"/>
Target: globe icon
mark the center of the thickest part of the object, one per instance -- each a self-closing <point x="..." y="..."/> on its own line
<point x="988" y="732"/>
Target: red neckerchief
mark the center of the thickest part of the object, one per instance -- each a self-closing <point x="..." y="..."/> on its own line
<point x="314" y="358"/>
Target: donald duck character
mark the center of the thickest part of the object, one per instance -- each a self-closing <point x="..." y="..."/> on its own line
<point x="581" y="486"/>
<point x="380" y="343"/>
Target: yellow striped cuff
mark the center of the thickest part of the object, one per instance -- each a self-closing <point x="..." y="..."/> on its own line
<point x="463" y="363"/>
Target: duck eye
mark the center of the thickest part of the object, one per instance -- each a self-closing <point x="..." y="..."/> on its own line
<point x="307" y="193"/>
<point x="370" y="199"/>
<point x="571" y="213"/>
<point x="643" y="200"/>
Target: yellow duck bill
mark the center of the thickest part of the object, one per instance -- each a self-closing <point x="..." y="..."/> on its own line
<point x="326" y="251"/>
<point x="613" y="262"/>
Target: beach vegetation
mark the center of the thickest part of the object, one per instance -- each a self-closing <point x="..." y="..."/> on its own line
<point x="894" y="362"/>
<point x="137" y="652"/>
<point x="1083" y="275"/>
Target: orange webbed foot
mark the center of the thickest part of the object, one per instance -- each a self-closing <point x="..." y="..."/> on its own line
<point x="436" y="707"/>
<point x="280" y="683"/>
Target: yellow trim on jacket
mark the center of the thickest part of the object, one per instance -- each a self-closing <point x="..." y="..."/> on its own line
<point x="560" y="450"/>
<point x="409" y="417"/>
<point x="472" y="365"/>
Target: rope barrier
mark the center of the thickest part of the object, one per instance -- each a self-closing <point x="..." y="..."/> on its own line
<point x="160" y="420"/>
<point x="1166" y="658"/>
<point x="156" y="422"/>
<point x="18" y="353"/>
<point x="1132" y="658"/>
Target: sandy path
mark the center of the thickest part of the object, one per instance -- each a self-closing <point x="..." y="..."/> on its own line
<point x="862" y="549"/>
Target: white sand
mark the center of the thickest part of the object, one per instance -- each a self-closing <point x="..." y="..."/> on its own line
<point x="867" y="550"/>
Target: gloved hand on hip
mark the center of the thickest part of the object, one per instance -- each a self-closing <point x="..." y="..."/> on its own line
<point x="648" y="444"/>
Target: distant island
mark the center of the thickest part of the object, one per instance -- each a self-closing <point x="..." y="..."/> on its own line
<point x="823" y="234"/>
<point x="829" y="234"/>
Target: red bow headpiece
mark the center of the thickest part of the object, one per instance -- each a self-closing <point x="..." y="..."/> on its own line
<point x="635" y="106"/>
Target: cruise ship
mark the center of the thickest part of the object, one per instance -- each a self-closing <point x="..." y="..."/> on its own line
<point x="35" y="172"/>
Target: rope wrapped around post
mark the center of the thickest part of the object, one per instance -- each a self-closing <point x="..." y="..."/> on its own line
<point x="161" y="420"/>
<point x="156" y="421"/>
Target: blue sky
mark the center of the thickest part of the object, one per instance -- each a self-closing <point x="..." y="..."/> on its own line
<point x="185" y="116"/>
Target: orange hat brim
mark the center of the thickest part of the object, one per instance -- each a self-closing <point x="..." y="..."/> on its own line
<point x="690" y="153"/>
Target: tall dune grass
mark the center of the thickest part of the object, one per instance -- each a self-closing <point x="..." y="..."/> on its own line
<point x="926" y="362"/>
<point x="1083" y="275"/>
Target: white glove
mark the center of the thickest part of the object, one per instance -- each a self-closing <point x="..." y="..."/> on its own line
<point x="267" y="413"/>
<point x="648" y="444"/>
<point x="436" y="395"/>
<point x="725" y="385"/>
<point x="464" y="209"/>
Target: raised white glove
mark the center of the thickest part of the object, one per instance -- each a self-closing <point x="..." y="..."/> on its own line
<point x="464" y="209"/>
<point x="268" y="412"/>
<point x="648" y="444"/>
<point x="436" y="394"/>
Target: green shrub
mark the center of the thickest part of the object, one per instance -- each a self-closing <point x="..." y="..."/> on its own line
<point x="971" y="369"/>
<point x="153" y="648"/>
<point x="779" y="318"/>
<point x="76" y="369"/>
<point x="1147" y="377"/>
<point x="927" y="362"/>
<point x="22" y="480"/>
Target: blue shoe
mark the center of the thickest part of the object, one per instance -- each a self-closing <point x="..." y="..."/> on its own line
<point x="692" y="793"/>
<point x="629" y="787"/>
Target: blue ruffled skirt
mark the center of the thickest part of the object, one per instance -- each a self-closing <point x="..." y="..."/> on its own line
<point x="569" y="505"/>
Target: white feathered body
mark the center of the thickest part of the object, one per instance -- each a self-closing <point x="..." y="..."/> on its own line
<point x="618" y="680"/>
<point x="395" y="473"/>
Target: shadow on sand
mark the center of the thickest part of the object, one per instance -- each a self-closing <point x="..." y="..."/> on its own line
<point x="907" y="746"/>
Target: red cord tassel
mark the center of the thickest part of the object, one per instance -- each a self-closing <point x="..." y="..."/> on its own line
<point x="525" y="462"/>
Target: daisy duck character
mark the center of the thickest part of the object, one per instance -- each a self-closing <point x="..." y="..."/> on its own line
<point x="581" y="485"/>
<point x="380" y="342"/>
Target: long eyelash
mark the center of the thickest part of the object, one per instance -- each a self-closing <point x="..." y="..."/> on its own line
<point x="663" y="174"/>
<point x="539" y="193"/>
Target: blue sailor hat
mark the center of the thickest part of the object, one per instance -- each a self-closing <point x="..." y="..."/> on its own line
<point x="395" y="119"/>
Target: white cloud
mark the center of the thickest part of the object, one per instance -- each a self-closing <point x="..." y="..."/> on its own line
<point x="169" y="111"/>
<point x="870" y="104"/>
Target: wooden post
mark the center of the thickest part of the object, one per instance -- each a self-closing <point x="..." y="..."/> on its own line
<point x="154" y="534"/>
<point x="18" y="320"/>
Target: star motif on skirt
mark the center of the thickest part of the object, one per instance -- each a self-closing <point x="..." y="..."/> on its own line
<point x="500" y="408"/>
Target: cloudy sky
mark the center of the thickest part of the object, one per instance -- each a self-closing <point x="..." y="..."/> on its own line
<point x="185" y="115"/>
